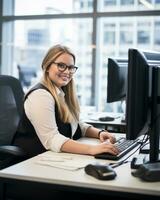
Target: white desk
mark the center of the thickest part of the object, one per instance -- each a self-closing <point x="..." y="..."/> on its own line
<point x="124" y="184"/>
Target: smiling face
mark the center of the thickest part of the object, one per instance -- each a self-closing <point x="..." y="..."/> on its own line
<point x="58" y="77"/>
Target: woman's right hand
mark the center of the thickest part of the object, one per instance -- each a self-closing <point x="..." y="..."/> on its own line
<point x="105" y="147"/>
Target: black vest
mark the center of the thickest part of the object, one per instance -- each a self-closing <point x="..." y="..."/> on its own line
<point x="26" y="136"/>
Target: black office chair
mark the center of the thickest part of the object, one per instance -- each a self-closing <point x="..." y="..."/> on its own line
<point x="11" y="105"/>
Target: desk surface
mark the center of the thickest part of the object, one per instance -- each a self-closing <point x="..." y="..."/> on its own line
<point x="94" y="118"/>
<point x="29" y="170"/>
<point x="116" y="122"/>
<point x="114" y="126"/>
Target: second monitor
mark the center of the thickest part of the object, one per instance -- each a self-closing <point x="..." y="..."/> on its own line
<point x="117" y="79"/>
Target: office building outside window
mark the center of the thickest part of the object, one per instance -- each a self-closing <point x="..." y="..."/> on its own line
<point x="95" y="30"/>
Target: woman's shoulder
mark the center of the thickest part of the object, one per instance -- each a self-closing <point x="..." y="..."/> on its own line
<point x="40" y="92"/>
<point x="40" y="98"/>
<point x="37" y="89"/>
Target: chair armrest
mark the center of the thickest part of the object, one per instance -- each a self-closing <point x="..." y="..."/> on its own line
<point x="12" y="150"/>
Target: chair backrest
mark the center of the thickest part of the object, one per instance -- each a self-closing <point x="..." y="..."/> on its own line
<point x="11" y="106"/>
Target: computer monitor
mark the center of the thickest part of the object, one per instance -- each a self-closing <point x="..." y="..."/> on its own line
<point x="142" y="105"/>
<point x="117" y="79"/>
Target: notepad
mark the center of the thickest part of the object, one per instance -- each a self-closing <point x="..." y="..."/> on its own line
<point x="62" y="162"/>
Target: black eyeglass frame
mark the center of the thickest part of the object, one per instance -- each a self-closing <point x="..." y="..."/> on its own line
<point x="72" y="68"/>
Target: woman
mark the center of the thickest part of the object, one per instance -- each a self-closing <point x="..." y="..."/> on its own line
<point x="51" y="112"/>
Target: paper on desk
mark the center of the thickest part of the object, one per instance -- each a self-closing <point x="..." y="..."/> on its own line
<point x="62" y="162"/>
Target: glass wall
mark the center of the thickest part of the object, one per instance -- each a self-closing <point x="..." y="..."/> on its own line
<point x="95" y="30"/>
<point x="43" y="7"/>
<point x="32" y="38"/>
<point x="118" y="34"/>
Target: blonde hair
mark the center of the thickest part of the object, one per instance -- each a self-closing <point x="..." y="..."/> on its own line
<point x="68" y="110"/>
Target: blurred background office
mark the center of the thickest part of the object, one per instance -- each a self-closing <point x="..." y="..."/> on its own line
<point x="94" y="29"/>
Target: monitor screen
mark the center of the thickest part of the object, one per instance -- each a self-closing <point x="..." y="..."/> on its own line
<point x="117" y="79"/>
<point x="141" y="102"/>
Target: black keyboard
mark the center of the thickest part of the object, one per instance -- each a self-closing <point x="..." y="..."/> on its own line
<point x="124" y="146"/>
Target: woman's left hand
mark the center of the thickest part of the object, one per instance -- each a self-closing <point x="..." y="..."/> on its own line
<point x="105" y="135"/>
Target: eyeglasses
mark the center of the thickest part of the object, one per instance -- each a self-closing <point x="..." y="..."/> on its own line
<point x="62" y="67"/>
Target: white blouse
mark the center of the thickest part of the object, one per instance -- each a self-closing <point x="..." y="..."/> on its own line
<point x="40" y="110"/>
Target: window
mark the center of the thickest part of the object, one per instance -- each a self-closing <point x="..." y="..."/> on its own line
<point x="127" y="2"/>
<point x="143" y="33"/>
<point x="43" y="7"/>
<point x="96" y="34"/>
<point x="156" y="33"/>
<point x="143" y="37"/>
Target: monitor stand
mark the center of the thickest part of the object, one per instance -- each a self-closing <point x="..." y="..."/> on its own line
<point x="123" y="105"/>
<point x="143" y="157"/>
<point x="139" y="160"/>
<point x="123" y="119"/>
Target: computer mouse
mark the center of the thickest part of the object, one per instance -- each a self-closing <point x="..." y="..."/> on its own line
<point x="102" y="172"/>
<point x="106" y="118"/>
